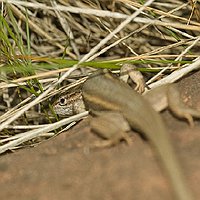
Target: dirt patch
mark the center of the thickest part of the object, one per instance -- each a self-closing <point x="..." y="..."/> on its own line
<point x="66" y="168"/>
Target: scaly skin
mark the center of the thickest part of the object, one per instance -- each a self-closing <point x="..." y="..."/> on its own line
<point x="102" y="91"/>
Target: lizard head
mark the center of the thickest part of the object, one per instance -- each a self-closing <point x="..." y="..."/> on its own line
<point x="69" y="104"/>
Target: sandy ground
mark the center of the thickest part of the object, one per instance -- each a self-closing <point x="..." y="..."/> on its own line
<point x="66" y="168"/>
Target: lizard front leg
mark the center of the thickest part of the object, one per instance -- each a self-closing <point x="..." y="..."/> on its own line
<point x="111" y="126"/>
<point x="129" y="70"/>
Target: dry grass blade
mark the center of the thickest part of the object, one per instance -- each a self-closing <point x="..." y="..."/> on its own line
<point x="176" y="75"/>
<point x="178" y="58"/>
<point x="35" y="133"/>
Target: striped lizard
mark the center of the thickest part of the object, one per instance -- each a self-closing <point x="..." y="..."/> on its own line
<point x="104" y="94"/>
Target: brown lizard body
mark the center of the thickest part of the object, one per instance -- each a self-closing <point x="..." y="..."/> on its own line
<point x="103" y="92"/>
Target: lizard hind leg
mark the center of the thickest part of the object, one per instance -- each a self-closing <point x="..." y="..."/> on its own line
<point x="178" y="108"/>
<point x="111" y="126"/>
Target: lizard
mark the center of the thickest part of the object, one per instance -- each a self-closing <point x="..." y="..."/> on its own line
<point x="102" y="92"/>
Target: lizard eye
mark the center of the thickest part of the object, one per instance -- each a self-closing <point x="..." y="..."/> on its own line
<point x="62" y="101"/>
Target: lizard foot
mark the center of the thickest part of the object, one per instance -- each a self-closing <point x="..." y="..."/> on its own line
<point x="179" y="108"/>
<point x="129" y="70"/>
<point x="112" y="142"/>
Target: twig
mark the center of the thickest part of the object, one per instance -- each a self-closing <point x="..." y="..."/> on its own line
<point x="176" y="75"/>
<point x="34" y="133"/>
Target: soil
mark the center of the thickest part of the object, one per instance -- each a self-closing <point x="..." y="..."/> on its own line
<point x="66" y="168"/>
